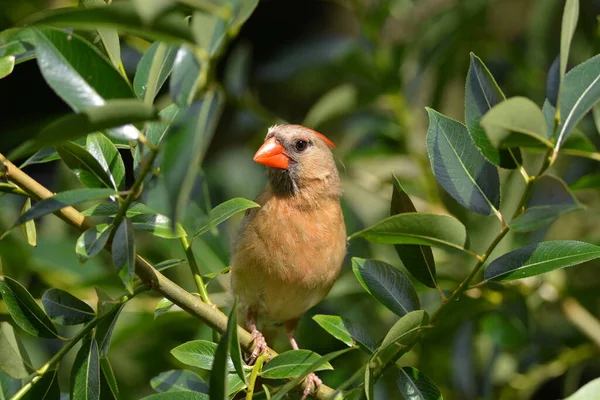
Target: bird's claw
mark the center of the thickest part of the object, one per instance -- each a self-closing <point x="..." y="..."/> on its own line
<point x="260" y="346"/>
<point x="312" y="385"/>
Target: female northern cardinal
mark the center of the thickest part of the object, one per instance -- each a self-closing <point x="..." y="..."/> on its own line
<point x="289" y="251"/>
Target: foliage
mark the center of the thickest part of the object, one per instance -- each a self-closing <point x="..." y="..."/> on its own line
<point x="145" y="153"/>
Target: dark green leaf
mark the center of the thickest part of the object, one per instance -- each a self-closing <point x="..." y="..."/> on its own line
<point x="418" y="260"/>
<point x="234" y="343"/>
<point x="589" y="391"/>
<point x="66" y="309"/>
<point x="24" y="310"/>
<point x="156" y="130"/>
<point x="46" y="388"/>
<point x="414" y="385"/>
<point x="319" y="364"/>
<point x="85" y="373"/>
<point x="8" y="386"/>
<point x="234" y="384"/>
<point x="92" y="241"/>
<point x="591" y="181"/>
<point x="123" y="253"/>
<point x="218" y="384"/>
<point x="504" y="329"/>
<point x="158" y="225"/>
<point x="153" y="70"/>
<point x="178" y="395"/>
<point x="163" y="265"/>
<point x="111" y="209"/>
<point x="186" y="143"/>
<point x="292" y="363"/>
<point x="108" y="381"/>
<point x="7" y="64"/>
<point x="163" y="306"/>
<point x="178" y="379"/>
<point x="186" y="77"/>
<point x="516" y="121"/>
<point x="540" y="258"/>
<point x="210" y="31"/>
<point x="85" y="166"/>
<point x="481" y="94"/>
<point x="104" y="329"/>
<point x="13" y="358"/>
<point x="417" y="228"/>
<point x="28" y="228"/>
<point x="198" y="353"/>
<point x="224" y="211"/>
<point x="549" y="199"/>
<point x="41" y="156"/>
<point x="459" y="166"/>
<point x="108" y="36"/>
<point x="171" y="26"/>
<point x="386" y="284"/>
<point x="346" y="331"/>
<point x="580" y="91"/>
<point x="62" y="200"/>
<point x="103" y="150"/>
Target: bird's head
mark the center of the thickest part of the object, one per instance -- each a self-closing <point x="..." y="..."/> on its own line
<point x="298" y="158"/>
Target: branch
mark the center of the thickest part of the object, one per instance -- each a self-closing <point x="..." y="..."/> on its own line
<point x="210" y="315"/>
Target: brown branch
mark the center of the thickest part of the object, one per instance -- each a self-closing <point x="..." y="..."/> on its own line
<point x="208" y="314"/>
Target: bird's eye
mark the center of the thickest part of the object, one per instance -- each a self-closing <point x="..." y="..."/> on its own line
<point x="301" y="145"/>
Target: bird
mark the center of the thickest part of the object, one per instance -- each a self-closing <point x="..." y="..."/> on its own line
<point x="288" y="253"/>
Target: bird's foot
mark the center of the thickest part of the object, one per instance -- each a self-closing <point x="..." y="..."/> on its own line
<point x="260" y="346"/>
<point x="312" y="385"/>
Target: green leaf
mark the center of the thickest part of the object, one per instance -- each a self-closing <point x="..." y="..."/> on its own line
<point x="103" y="150"/>
<point x="8" y="386"/>
<point x="319" y="364"/>
<point x="218" y="383"/>
<point x="414" y="385"/>
<point x="92" y="241"/>
<point x="111" y="209"/>
<point x="153" y="70"/>
<point x="589" y="391"/>
<point x="148" y="11"/>
<point x="517" y="121"/>
<point x="223" y="212"/>
<point x="85" y="373"/>
<point x="85" y="166"/>
<point x="164" y="265"/>
<point x="237" y="71"/>
<point x="108" y="381"/>
<point x="108" y="36"/>
<point x="591" y="181"/>
<point x="569" y="23"/>
<point x="178" y="395"/>
<point x="46" y="388"/>
<point x="171" y="26"/>
<point x="123" y="253"/>
<point x="62" y="200"/>
<point x="243" y="11"/>
<point x="345" y="331"/>
<point x="185" y="79"/>
<point x="549" y="199"/>
<point x="178" y="379"/>
<point x="198" y="353"/>
<point x="157" y="130"/>
<point x="418" y="260"/>
<point x="158" y="225"/>
<point x="292" y="363"/>
<point x="481" y="94"/>
<point x="13" y="358"/>
<point x="66" y="309"/>
<point x="28" y="228"/>
<point x="7" y="64"/>
<point x="540" y="258"/>
<point x="580" y="91"/>
<point x="386" y="284"/>
<point x="163" y="306"/>
<point x="337" y="102"/>
<point x="234" y="343"/>
<point x="417" y="228"/>
<point x="210" y="31"/>
<point x="41" y="156"/>
<point x="105" y="328"/>
<point x="399" y="340"/>
<point x="459" y="166"/>
<point x="23" y="309"/>
<point x="504" y="329"/>
<point x="234" y="384"/>
<point x="184" y="148"/>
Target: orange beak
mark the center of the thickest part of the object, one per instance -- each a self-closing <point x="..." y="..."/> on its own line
<point x="272" y="154"/>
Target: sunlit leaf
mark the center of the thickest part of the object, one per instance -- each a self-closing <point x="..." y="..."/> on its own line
<point x="103" y="150"/>
<point x="28" y="228"/>
<point x="589" y="391"/>
<point x="346" y="331"/>
<point x="418" y="260"/>
<point x="549" y="199"/>
<point x="153" y="70"/>
<point x="86" y="167"/>
<point x="92" y="241"/>
<point x="85" y="373"/>
<point x="224" y="211"/>
<point x="291" y="363"/>
<point x="540" y="258"/>
<point x="123" y="253"/>
<point x="23" y="309"/>
<point x="66" y="309"/>
<point x="163" y="306"/>
<point x="7" y="64"/>
<point x="198" y="353"/>
<point x="414" y="385"/>
<point x="459" y="167"/>
<point x="178" y="379"/>
<point x="157" y="224"/>
<point x="481" y="94"/>
<point x="388" y="285"/>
